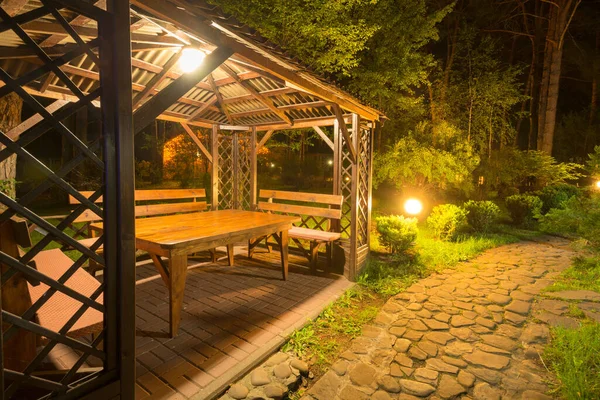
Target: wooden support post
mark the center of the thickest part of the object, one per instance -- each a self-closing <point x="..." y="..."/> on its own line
<point x="235" y="161"/>
<point x="253" y="170"/>
<point x="354" y="198"/>
<point x="337" y="159"/>
<point x="177" y="89"/>
<point x="215" y="168"/>
<point x="373" y="133"/>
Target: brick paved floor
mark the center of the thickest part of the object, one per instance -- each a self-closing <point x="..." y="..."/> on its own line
<point x="233" y="318"/>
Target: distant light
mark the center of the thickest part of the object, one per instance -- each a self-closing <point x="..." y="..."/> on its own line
<point x="190" y="59"/>
<point x="413" y="206"/>
<point x="347" y="178"/>
<point x="330" y="162"/>
<point x="598" y="184"/>
<point x="272" y="165"/>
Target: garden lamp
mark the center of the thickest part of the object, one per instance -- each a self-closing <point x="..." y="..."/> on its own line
<point x="413" y="206"/>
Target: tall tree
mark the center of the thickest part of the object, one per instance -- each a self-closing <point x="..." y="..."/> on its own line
<point x="10" y="117"/>
<point x="559" y="15"/>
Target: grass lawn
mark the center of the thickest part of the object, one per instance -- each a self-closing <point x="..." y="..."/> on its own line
<point x="574" y="354"/>
<point x="584" y="274"/>
<point x="322" y="340"/>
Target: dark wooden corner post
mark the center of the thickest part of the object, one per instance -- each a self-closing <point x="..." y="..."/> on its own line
<point x="253" y="170"/>
<point x="215" y="168"/>
<point x="337" y="162"/>
<point x="119" y="221"/>
<point x="354" y="199"/>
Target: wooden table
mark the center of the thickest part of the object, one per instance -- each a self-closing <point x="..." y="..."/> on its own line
<point x="177" y="236"/>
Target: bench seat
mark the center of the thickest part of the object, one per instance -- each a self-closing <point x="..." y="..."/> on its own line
<point x="59" y="308"/>
<point x="313" y="234"/>
<point x="89" y="242"/>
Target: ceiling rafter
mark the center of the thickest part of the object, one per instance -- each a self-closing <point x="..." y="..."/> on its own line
<point x="13" y="7"/>
<point x="264" y="99"/>
<point x="157" y="79"/>
<point x="51" y="28"/>
<point x="79" y="20"/>
<point x="219" y="97"/>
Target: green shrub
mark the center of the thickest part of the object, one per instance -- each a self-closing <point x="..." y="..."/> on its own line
<point x="580" y="216"/>
<point x="481" y="215"/>
<point x="446" y="221"/>
<point x="524" y="209"/>
<point x="397" y="233"/>
<point x="556" y="195"/>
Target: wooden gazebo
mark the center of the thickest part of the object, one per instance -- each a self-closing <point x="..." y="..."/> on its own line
<point x="76" y="54"/>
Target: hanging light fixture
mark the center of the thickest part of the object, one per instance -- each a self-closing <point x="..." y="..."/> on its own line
<point x="191" y="58"/>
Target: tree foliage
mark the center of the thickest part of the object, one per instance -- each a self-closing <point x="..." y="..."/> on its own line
<point x="413" y="163"/>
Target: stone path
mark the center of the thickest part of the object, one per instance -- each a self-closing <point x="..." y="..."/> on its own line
<point x="471" y="333"/>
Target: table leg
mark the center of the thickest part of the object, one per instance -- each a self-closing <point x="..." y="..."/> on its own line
<point x="230" y="254"/>
<point x="177" y="275"/>
<point x="284" y="253"/>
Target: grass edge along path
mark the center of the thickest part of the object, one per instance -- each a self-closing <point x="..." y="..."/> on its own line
<point x="322" y="340"/>
<point x="573" y="355"/>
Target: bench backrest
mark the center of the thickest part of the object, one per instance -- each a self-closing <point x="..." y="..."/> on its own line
<point x="328" y="206"/>
<point x="193" y="200"/>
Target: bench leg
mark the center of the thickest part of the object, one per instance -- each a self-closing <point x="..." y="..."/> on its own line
<point x="314" y="256"/>
<point x="329" y="249"/>
<point x="230" y="254"/>
<point x="213" y="255"/>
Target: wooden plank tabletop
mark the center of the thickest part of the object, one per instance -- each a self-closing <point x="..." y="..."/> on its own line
<point x="181" y="230"/>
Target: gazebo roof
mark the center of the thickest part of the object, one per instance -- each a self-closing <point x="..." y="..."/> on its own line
<point x="259" y="85"/>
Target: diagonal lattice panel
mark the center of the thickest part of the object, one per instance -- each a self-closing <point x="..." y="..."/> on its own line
<point x="59" y="303"/>
<point x="225" y="168"/>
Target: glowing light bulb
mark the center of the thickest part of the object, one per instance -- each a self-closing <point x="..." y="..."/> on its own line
<point x="598" y="185"/>
<point x="330" y="162"/>
<point x="190" y="59"/>
<point x="413" y="206"/>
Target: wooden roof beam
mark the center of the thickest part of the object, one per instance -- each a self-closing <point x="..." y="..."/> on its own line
<point x="79" y="20"/>
<point x="24" y="52"/>
<point x="196" y="140"/>
<point x="157" y="79"/>
<point x="49" y="28"/>
<point x="264" y="99"/>
<point x="340" y="118"/>
<point x="222" y="106"/>
<point x="264" y="139"/>
<point x="13" y="7"/>
<point x="177" y="89"/>
<point x="324" y="136"/>
<point x="203" y="108"/>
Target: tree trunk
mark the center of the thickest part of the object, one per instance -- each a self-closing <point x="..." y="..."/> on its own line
<point x="560" y="15"/>
<point x="10" y="117"/>
<point x="595" y="73"/>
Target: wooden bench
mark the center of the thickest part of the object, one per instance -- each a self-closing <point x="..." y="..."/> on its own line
<point x="21" y="291"/>
<point x="321" y="209"/>
<point x="172" y="201"/>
